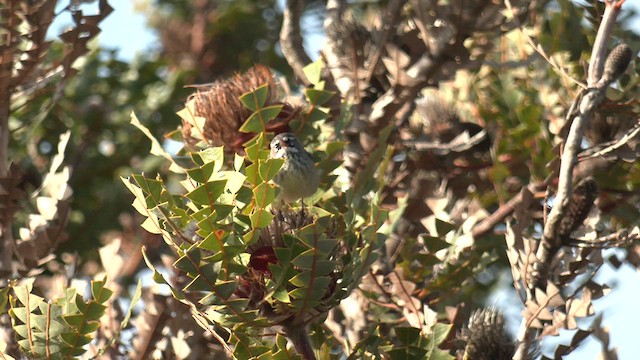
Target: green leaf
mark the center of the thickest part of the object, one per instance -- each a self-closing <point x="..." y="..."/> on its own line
<point x="208" y="193"/>
<point x="198" y="284"/>
<point x="156" y="147"/>
<point x="100" y="293"/>
<point x="256" y="99"/>
<point x="282" y="295"/>
<point x="137" y="294"/>
<point x="440" y="333"/>
<point x="313" y="71"/>
<point x="306" y="260"/>
<point x="408" y="353"/>
<point x="437" y="354"/>
<point x="93" y="311"/>
<point x="201" y="174"/>
<point x="252" y="174"/>
<point x="269" y="168"/>
<point x="238" y="162"/>
<point x="254" y="147"/>
<point x="315" y="114"/>
<point x="261" y="218"/>
<point x="318" y="97"/>
<point x="407" y="335"/>
<point x="443" y="227"/>
<point x="235" y="180"/>
<point x="225" y="289"/>
<point x="283" y="255"/>
<point x="189" y="262"/>
<point x="74" y="320"/>
<point x="325" y="267"/>
<point x="213" y="242"/>
<point x="264" y="194"/>
<point x="257" y="122"/>
<point x="214" y="155"/>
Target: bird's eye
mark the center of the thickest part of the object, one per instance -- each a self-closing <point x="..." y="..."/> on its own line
<point x="291" y="142"/>
<point x="277" y="146"/>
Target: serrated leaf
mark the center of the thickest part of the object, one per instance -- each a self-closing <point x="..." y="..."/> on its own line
<point x="198" y="284"/>
<point x="408" y="353"/>
<point x="255" y="99"/>
<point x="407" y="335"/>
<point x="235" y="181"/>
<point x="225" y="289"/>
<point x="100" y="293"/>
<point x="254" y="146"/>
<point x="264" y="194"/>
<point x="313" y="71"/>
<point x="440" y="333"/>
<point x="306" y="260"/>
<point x="189" y="262"/>
<point x="282" y="295"/>
<point x="269" y="168"/>
<point x="202" y="173"/>
<point x="156" y="147"/>
<point x="208" y="193"/>
<point x="257" y="122"/>
<point x="260" y="218"/>
<point x="315" y="114"/>
<point x="318" y="97"/>
<point x="213" y="155"/>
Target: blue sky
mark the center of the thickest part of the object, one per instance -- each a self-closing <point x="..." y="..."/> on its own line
<point x="126" y="30"/>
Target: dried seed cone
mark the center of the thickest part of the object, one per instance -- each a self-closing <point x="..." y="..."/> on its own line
<point x="617" y="62"/>
<point x="582" y="199"/>
<point x="438" y="118"/>
<point x="224" y="114"/>
<point x="440" y="121"/>
<point x="487" y="339"/>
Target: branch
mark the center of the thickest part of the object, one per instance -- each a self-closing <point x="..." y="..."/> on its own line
<point x="579" y="114"/>
<point x="582" y="108"/>
<point x="596" y="63"/>
<point x="488" y="223"/>
<point x="291" y="40"/>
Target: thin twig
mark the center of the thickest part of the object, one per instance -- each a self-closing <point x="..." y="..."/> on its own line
<point x="538" y="48"/>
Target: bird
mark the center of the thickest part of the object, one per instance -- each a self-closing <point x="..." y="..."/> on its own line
<point x="298" y="177"/>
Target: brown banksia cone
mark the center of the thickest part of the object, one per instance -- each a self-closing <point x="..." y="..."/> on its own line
<point x="219" y="104"/>
<point x="616" y="63"/>
<point x="582" y="199"/>
<point x="441" y="122"/>
<point x="486" y="337"/>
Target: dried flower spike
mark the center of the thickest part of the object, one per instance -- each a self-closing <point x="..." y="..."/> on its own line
<point x="224" y="114"/>
<point x="487" y="338"/>
<point x="582" y="199"/>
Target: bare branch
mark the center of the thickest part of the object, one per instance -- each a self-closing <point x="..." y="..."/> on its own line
<point x="580" y="113"/>
<point x="291" y="40"/>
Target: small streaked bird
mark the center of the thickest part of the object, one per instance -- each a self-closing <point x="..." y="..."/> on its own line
<point x="298" y="178"/>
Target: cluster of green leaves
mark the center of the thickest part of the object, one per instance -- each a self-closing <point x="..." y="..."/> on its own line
<point x="408" y="343"/>
<point x="56" y="329"/>
<point x="228" y="204"/>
